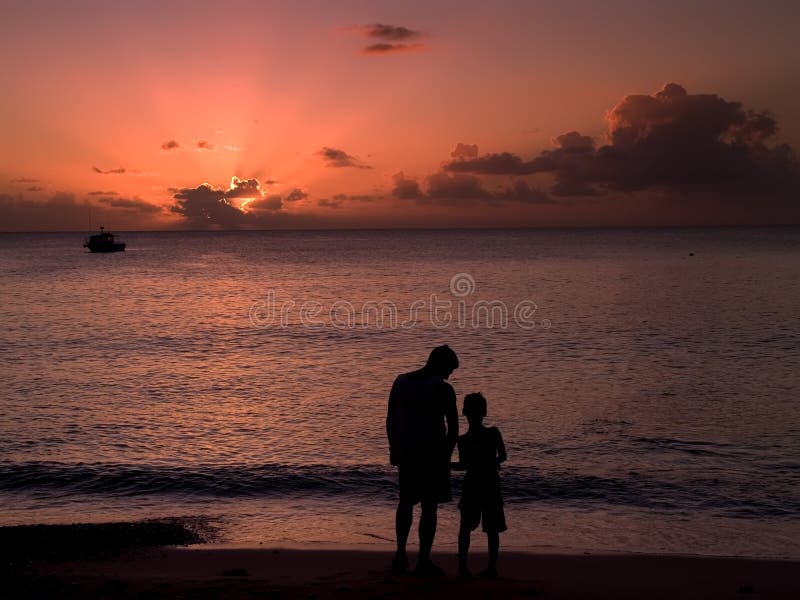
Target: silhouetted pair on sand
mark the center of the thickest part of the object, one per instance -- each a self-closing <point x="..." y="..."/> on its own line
<point x="422" y="426"/>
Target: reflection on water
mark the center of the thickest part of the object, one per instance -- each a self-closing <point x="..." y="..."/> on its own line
<point x="660" y="399"/>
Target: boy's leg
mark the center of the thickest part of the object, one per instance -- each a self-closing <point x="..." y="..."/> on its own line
<point x="494" y="549"/>
<point x="463" y="549"/>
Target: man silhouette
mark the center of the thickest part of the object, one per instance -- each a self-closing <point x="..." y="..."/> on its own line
<point x="420" y="447"/>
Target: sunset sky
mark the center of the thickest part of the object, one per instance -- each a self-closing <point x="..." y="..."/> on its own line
<point x="195" y="115"/>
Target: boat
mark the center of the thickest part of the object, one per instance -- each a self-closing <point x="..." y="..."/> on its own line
<point x="104" y="242"/>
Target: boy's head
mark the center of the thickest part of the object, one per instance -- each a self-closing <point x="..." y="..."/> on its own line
<point x="474" y="407"/>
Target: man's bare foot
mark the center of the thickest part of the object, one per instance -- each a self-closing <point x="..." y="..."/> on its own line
<point x="490" y="573"/>
<point x="399" y="563"/>
<point x="427" y="568"/>
<point x="464" y="574"/>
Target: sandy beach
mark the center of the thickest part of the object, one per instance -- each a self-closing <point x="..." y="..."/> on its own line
<point x="143" y="570"/>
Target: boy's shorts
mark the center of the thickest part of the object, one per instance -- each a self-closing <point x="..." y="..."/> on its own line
<point x="482" y="504"/>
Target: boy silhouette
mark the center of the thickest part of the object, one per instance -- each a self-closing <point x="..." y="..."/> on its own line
<point x="480" y="452"/>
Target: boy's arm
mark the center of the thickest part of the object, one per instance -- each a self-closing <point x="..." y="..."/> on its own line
<point x="460" y="465"/>
<point x="501" y="449"/>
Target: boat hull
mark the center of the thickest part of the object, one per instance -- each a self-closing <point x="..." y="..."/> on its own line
<point x="106" y="247"/>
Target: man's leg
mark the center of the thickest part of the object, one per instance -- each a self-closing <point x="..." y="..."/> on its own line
<point x="494" y="549"/>
<point x="427" y="530"/>
<point x="402" y="522"/>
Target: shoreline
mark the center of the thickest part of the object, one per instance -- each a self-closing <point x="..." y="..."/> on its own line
<point x="163" y="559"/>
<point x="287" y="573"/>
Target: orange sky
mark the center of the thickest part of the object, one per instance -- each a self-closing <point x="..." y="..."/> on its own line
<point x="349" y="114"/>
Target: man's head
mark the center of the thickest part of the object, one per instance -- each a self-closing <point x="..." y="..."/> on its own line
<point x="474" y="407"/>
<point x="442" y="361"/>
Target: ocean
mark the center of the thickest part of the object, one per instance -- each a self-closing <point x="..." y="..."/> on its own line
<point x="645" y="381"/>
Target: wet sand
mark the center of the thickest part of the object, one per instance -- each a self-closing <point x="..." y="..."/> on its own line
<point x="281" y="573"/>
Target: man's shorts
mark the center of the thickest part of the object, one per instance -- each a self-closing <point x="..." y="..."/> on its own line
<point x="424" y="481"/>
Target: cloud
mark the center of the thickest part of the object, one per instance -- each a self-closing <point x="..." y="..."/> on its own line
<point x="117" y="171"/>
<point x="465" y="151"/>
<point x="243" y="188"/>
<point x="355" y="197"/>
<point x="24" y="180"/>
<point x="35" y="188"/>
<point x="203" y="145"/>
<point x="135" y="204"/>
<point x="386" y="48"/>
<point x="327" y="203"/>
<point x="405" y="188"/>
<point x="170" y="145"/>
<point x="296" y="194"/>
<point x="101" y="193"/>
<point x="390" y="32"/>
<point x="206" y="205"/>
<point x="391" y="39"/>
<point x="269" y="203"/>
<point x="670" y="140"/>
<point x="63" y="211"/>
<point x="333" y="157"/>
<point x="463" y="189"/>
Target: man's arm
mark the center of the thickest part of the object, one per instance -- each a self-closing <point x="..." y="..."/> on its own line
<point x="451" y="414"/>
<point x="390" y="423"/>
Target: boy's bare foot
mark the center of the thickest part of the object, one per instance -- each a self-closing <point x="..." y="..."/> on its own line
<point x="428" y="569"/>
<point x="464" y="574"/>
<point x="490" y="573"/>
<point x="399" y="563"/>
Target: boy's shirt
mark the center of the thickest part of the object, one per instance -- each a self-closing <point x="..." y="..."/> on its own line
<point x="479" y="451"/>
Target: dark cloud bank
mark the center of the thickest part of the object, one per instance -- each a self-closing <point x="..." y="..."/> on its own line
<point x="697" y="144"/>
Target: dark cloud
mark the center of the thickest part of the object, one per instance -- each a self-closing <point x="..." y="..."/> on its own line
<point x="445" y="186"/>
<point x="328" y="203"/>
<point x="465" y="151"/>
<point x="117" y="171"/>
<point x="390" y="32"/>
<point x="464" y="189"/>
<point x="503" y="163"/>
<point x="296" y="194"/>
<point x="392" y="39"/>
<point x="270" y="181"/>
<point x="386" y="48"/>
<point x="63" y="211"/>
<point x="670" y="140"/>
<point x="170" y="145"/>
<point x="24" y="180"/>
<point x="205" y="145"/>
<point x="405" y="188"/>
<point x="244" y="188"/>
<point x="334" y="157"/>
<point x="355" y="197"/>
<point x="207" y="205"/>
<point x="135" y="204"/>
<point x="101" y="193"/>
<point x="268" y="203"/>
<point x="35" y="188"/>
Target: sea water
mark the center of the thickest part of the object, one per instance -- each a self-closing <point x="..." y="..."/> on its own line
<point x="645" y="381"/>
